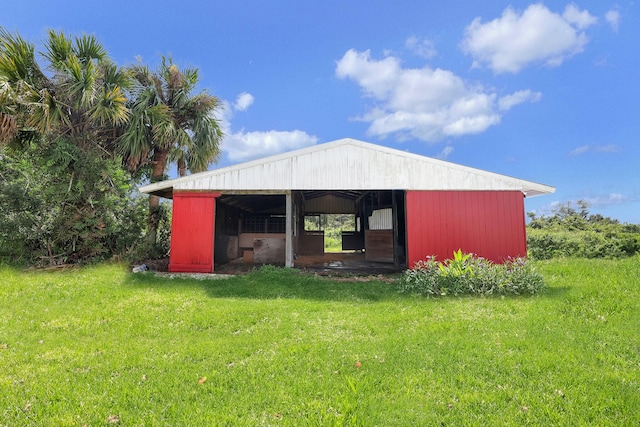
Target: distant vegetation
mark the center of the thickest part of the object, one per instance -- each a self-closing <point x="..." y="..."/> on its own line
<point x="572" y="231"/>
<point x="333" y="225"/>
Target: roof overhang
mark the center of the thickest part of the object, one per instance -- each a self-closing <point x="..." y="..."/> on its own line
<point x="345" y="165"/>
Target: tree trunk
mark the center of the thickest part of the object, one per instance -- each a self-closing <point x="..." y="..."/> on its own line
<point x="182" y="167"/>
<point x="159" y="163"/>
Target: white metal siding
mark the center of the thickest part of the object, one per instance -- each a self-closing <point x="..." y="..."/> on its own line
<point x="381" y="219"/>
<point x="348" y="164"/>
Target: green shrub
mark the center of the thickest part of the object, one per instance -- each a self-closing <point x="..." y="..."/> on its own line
<point x="544" y="244"/>
<point x="142" y="250"/>
<point x="60" y="204"/>
<point x="468" y="274"/>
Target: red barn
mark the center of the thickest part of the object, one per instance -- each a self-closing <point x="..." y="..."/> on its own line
<point x="404" y="206"/>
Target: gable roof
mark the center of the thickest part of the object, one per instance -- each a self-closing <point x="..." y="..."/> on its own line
<point x="346" y="164"/>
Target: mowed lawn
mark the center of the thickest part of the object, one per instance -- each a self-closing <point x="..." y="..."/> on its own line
<point x="101" y="346"/>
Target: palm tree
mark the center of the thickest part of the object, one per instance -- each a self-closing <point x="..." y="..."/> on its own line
<point x="20" y="78"/>
<point x="81" y="98"/>
<point x="63" y="116"/>
<point x="167" y="124"/>
<point x="8" y="125"/>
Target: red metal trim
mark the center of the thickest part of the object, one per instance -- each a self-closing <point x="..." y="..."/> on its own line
<point x="193" y="232"/>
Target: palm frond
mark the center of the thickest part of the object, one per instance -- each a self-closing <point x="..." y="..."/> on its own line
<point x="87" y="48"/>
<point x="159" y="89"/>
<point x="80" y="83"/>
<point x="8" y="127"/>
<point x="207" y="139"/>
<point x="136" y="142"/>
<point x="163" y="127"/>
<point x="113" y="76"/>
<point x="140" y="75"/>
<point x="17" y="59"/>
<point x="7" y="94"/>
<point x="191" y="76"/>
<point x="111" y="108"/>
<point x="58" y="49"/>
<point x="48" y="112"/>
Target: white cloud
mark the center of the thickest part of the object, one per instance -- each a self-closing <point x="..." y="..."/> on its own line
<point x="224" y="114"/>
<point x="608" y="199"/>
<point x="613" y="18"/>
<point x="243" y="101"/>
<point x="446" y="152"/>
<point x="376" y="77"/>
<point x="507" y="102"/>
<point x="514" y="41"/>
<point x="423" y="103"/>
<point x="609" y="148"/>
<point x="580" y="150"/>
<point x="422" y="48"/>
<point x="581" y="19"/>
<point x="243" y="146"/>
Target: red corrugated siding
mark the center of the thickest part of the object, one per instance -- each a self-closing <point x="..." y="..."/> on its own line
<point x="490" y="224"/>
<point x="192" y="232"/>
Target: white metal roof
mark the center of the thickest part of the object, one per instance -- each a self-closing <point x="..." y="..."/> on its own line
<point x="346" y="164"/>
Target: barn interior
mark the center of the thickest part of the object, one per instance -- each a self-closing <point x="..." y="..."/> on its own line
<point x="252" y="229"/>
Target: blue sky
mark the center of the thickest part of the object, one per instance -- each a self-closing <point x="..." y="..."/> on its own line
<point x="542" y="91"/>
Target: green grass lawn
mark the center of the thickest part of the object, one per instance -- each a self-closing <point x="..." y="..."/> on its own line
<point x="102" y="346"/>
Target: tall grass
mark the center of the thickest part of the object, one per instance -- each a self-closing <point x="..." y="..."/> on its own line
<point x="101" y="346"/>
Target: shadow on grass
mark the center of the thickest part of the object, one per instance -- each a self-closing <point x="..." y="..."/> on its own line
<point x="275" y="283"/>
<point x="555" y="291"/>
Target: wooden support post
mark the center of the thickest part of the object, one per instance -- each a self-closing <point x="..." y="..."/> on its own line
<point x="396" y="227"/>
<point x="288" y="255"/>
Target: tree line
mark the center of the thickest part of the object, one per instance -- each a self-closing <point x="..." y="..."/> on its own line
<point x="572" y="231"/>
<point x="77" y="133"/>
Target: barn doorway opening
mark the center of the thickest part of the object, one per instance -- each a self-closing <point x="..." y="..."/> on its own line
<point x="350" y="226"/>
<point x="333" y="228"/>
